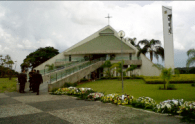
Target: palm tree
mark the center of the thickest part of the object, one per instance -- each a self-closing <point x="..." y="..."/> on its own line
<point x="153" y="47"/>
<point x="107" y="65"/>
<point x="131" y="68"/>
<point x="133" y="42"/>
<point x="118" y="68"/>
<point x="191" y="55"/>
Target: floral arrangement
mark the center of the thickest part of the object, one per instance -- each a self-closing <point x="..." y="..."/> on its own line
<point x="174" y="106"/>
<point x="169" y="106"/>
<point x="187" y="110"/>
<point x="144" y="102"/>
<point x="117" y="99"/>
<point x="95" y="96"/>
<point x="108" y="98"/>
<point x="123" y="100"/>
<point x="71" y="91"/>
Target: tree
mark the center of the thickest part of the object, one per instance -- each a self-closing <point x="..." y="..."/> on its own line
<point x="153" y="47"/>
<point x="133" y="42"/>
<point x="6" y="66"/>
<point x="50" y="67"/>
<point x="191" y="55"/>
<point x="108" y="66"/>
<point x="118" y="68"/>
<point x="131" y="68"/>
<point x="166" y="74"/>
<point x="38" y="57"/>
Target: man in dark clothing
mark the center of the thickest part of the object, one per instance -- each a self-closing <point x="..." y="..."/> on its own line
<point x="39" y="80"/>
<point x="34" y="81"/>
<point x="22" y="78"/>
<point x="30" y="80"/>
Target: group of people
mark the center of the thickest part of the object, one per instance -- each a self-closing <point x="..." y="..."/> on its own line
<point x="35" y="79"/>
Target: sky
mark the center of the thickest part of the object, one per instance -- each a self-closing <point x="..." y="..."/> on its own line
<point x="27" y="26"/>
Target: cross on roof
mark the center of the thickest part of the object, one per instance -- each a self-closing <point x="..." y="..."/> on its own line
<point x="108" y="18"/>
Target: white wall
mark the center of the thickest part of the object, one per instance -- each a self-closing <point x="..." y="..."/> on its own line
<point x="147" y="68"/>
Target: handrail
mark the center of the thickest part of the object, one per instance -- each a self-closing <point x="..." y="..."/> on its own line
<point x="56" y="76"/>
<point x="46" y="71"/>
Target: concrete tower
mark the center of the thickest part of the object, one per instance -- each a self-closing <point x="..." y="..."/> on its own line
<point x="168" y="37"/>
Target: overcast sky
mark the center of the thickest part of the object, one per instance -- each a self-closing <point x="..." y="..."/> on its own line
<point x="27" y="26"/>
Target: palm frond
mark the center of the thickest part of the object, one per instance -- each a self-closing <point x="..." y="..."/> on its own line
<point x="155" y="42"/>
<point x="160" y="52"/>
<point x="143" y="42"/>
<point x="191" y="52"/>
<point x="190" y="61"/>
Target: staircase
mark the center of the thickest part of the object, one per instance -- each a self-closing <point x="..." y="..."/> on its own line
<point x="73" y="74"/>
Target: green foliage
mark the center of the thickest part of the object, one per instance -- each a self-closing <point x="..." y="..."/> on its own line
<point x="54" y="89"/>
<point x="38" y="57"/>
<point x="166" y="75"/>
<point x="50" y="67"/>
<point x="153" y="47"/>
<point x="191" y="55"/>
<point x="118" y="69"/>
<point x="193" y="84"/>
<point x="6" y="64"/>
<point x="70" y="84"/>
<point x="182" y="78"/>
<point x="131" y="68"/>
<point x="171" y="87"/>
<point x="7" y="85"/>
<point x="138" y="87"/>
<point x="108" y="71"/>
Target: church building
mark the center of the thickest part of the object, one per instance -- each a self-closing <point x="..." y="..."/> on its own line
<point x="105" y="44"/>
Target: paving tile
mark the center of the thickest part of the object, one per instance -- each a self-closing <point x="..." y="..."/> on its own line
<point x="110" y="114"/>
<point x="17" y="109"/>
<point x="8" y="100"/>
<point x="28" y="93"/>
<point x="38" y="118"/>
<point x="2" y="95"/>
<point x="61" y="104"/>
<point x="40" y="98"/>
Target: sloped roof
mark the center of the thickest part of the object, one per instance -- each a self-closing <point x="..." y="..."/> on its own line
<point x="103" y="41"/>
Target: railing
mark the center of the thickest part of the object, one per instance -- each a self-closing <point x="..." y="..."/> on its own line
<point x="60" y="75"/>
<point x="72" y="59"/>
<point x="46" y="71"/>
<point x="127" y="58"/>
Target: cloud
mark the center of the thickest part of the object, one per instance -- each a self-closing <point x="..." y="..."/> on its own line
<point x="26" y="26"/>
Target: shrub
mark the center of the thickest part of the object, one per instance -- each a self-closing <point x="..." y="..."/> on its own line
<point x="171" y="87"/>
<point x="108" y="98"/>
<point x="168" y="106"/>
<point x="70" y="84"/>
<point x="144" y="102"/>
<point x="95" y="96"/>
<point x="117" y="99"/>
<point x="187" y="110"/>
<point x="193" y="84"/>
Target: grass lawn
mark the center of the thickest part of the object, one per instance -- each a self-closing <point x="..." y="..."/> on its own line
<point x="7" y="85"/>
<point x="138" y="88"/>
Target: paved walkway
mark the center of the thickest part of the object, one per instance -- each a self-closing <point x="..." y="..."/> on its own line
<point x="17" y="108"/>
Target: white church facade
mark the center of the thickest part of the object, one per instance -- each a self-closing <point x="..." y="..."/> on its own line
<point x="106" y="44"/>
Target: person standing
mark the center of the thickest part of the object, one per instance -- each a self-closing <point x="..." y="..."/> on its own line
<point x="22" y="78"/>
<point x="39" y="80"/>
<point x="30" y="80"/>
<point x="34" y="81"/>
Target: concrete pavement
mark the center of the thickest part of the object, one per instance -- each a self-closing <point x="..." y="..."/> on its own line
<point x="17" y="108"/>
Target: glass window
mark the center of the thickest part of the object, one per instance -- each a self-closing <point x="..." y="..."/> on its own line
<point x="69" y="57"/>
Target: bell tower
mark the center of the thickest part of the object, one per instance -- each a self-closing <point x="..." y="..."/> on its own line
<point x="168" y="36"/>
